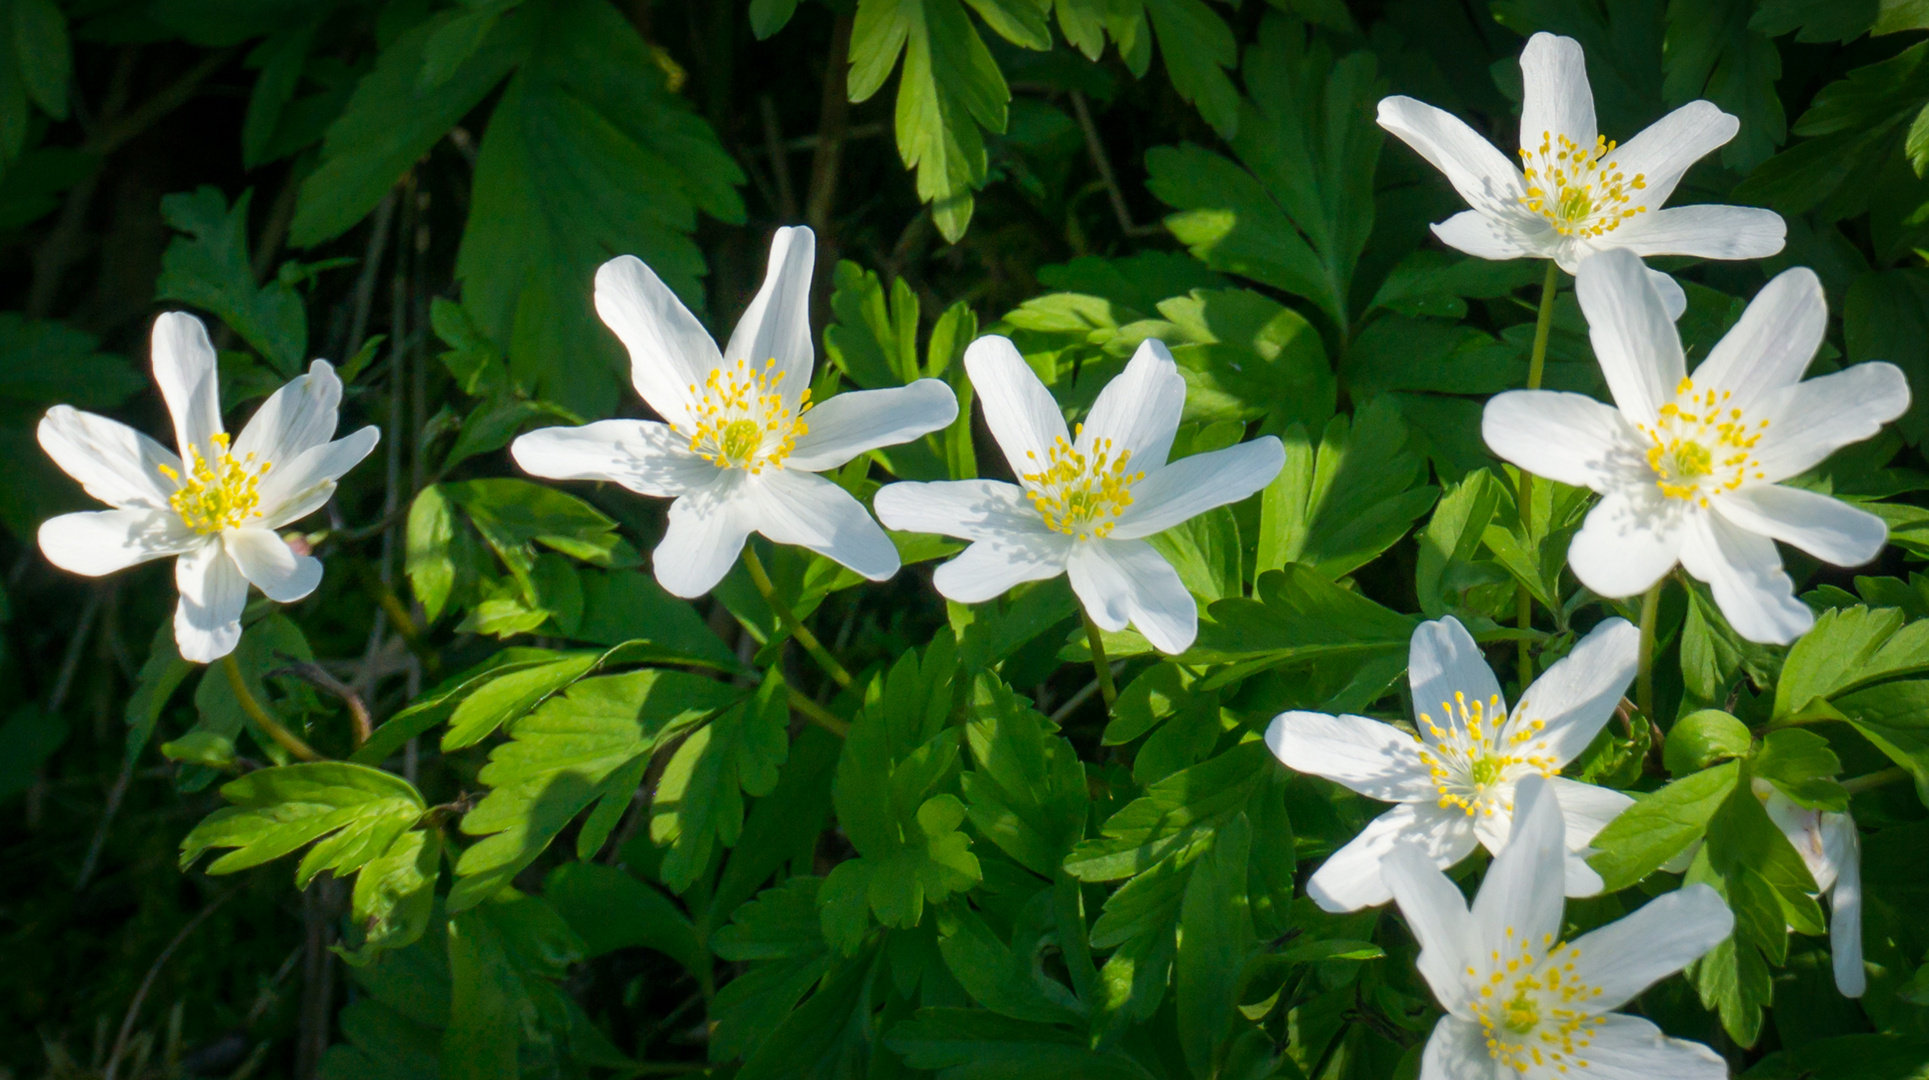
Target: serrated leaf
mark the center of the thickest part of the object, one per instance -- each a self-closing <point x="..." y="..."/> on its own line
<point x="699" y="798"/>
<point x="394" y="894"/>
<point x="209" y="268"/>
<point x="355" y="811"/>
<point x="1174" y="813"/>
<point x="1336" y="508"/>
<point x="1027" y="794"/>
<point x="1660" y="825"/>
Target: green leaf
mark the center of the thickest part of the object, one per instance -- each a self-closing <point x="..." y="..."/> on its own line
<point x="44" y="53"/>
<point x="1183" y="809"/>
<point x="610" y="909"/>
<point x="427" y="559"/>
<point x="973" y="1044"/>
<point x="1660" y="825"/>
<point x="1815" y="20"/>
<point x="1847" y="1057"/>
<point x="28" y="737"/>
<point x="1216" y="938"/>
<point x="209" y="268"/>
<point x="1801" y="764"/>
<point x="506" y="697"/>
<point x="1849" y="648"/>
<point x="1028" y="793"/>
<point x="395" y="894"/>
<point x="1715" y="51"/>
<point x="1446" y="567"/>
<point x="1297" y="617"/>
<point x="1885" y="316"/>
<point x="1001" y="978"/>
<point x="699" y="797"/>
<point x="1700" y="739"/>
<point x="161" y="674"/>
<point x="1895" y="717"/>
<point x="440" y="701"/>
<point x="1337" y="509"/>
<point x="354" y="811"/>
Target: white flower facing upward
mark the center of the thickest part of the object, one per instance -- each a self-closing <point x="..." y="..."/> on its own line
<point x="1576" y="193"/>
<point x="741" y="442"/>
<point x="1830" y="845"/>
<point x="1688" y="468"/>
<point x="1456" y="783"/>
<point x="217" y="504"/>
<point x="1086" y="499"/>
<point x="1520" y="1002"/>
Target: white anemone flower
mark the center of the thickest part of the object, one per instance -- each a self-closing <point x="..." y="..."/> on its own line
<point x="1829" y="843"/>
<point x="740" y="442"/>
<point x="1456" y="783"/>
<point x="1524" y="1005"/>
<point x="1576" y="193"/>
<point x="1086" y="499"/>
<point x="217" y="505"/>
<point x="1689" y="469"/>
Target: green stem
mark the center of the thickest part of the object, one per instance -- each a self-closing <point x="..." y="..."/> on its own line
<point x="1859" y="784"/>
<point x="796" y="627"/>
<point x="1536" y="367"/>
<point x="1100" y="665"/>
<point x="817" y="714"/>
<point x="289" y="740"/>
<point x="1644" y="673"/>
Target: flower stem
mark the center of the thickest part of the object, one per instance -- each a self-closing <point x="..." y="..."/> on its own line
<point x="1536" y="367"/>
<point x="796" y="627"/>
<point x="1543" y="324"/>
<point x="817" y="714"/>
<point x="1644" y="672"/>
<point x="1859" y="784"/>
<point x="289" y="740"/>
<point x="1100" y="665"/>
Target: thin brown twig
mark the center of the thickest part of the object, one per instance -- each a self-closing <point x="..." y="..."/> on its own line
<point x="317" y="676"/>
<point x="1103" y="163"/>
<point x="779" y="160"/>
<point x="833" y="130"/>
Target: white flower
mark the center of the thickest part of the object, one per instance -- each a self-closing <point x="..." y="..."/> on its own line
<point x="1829" y="844"/>
<point x="1688" y="468"/>
<point x="217" y="504"/>
<point x="1456" y="782"/>
<point x="1086" y="500"/>
<point x="1523" y="1004"/>
<point x="1580" y="193"/>
<point x="741" y="442"/>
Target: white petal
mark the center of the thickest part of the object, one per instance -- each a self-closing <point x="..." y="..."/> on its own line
<point x="1710" y="232"/>
<point x="996" y="563"/>
<point x="1018" y="409"/>
<point x="1522" y="896"/>
<point x="1665" y="935"/>
<point x="669" y="350"/>
<point x="850" y="423"/>
<point x="1375" y="759"/>
<point x="116" y="464"/>
<point x="1630" y="539"/>
<point x="1437" y="915"/>
<point x="706" y="534"/>
<point x="1457" y="1050"/>
<point x="1482" y="175"/>
<point x="271" y="565"/>
<point x="298" y="488"/>
<point x="1844" y="846"/>
<point x="1811" y="420"/>
<point x="1773" y="342"/>
<point x="776" y="325"/>
<point x="207" y="621"/>
<point x="298" y="416"/>
<point x="1668" y="147"/>
<point x="1484" y="236"/>
<point x="1673" y="296"/>
<point x="100" y="542"/>
<point x="642" y="455"/>
<point x="804" y="509"/>
<point x="1634" y="338"/>
<point x="967" y="509"/>
<point x="184" y="366"/>
<point x="1585" y="811"/>
<point x="1350" y="878"/>
<point x="1556" y="99"/>
<point x="1827" y="528"/>
<point x="1443" y="660"/>
<point x="1139" y="409"/>
<point x="1745" y="572"/>
<point x="1803" y="827"/>
<point x="1562" y="436"/>
<point x="1193" y="485"/>
<point x="1574" y="697"/>
<point x="1629" y="1048"/>
<point x="1122" y="581"/>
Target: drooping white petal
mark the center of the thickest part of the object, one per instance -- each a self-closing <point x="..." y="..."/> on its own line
<point x="1630" y="539"/>
<point x="1562" y="436"/>
<point x="1121" y="581"/>
<point x="967" y="509"/>
<point x="1443" y="660"/>
<point x="1487" y="237"/>
<point x="1844" y="846"/>
<point x="207" y="621"/>
<point x="1772" y="343"/>
<point x="1745" y="573"/>
<point x="706" y="533"/>
<point x="1018" y="409"/>
<point x="300" y="415"/>
<point x="1667" y="148"/>
<point x="776" y="325"/>
<point x="1710" y="232"/>
<point x="1811" y="420"/>
<point x="1556" y="99"/>
<point x="801" y="508"/>
<point x="850" y="423"/>
<point x="97" y="542"/>
<point x="1574" y="697"/>
<point x="1673" y="297"/>
<point x="1139" y="409"/>
<point x="1634" y="339"/>
<point x="298" y="488"/>
<point x="642" y="455"/>
<point x="996" y="563"/>
<point x="1827" y="528"/>
<point x="1803" y="827"/>
<point x="1665" y="935"/>
<point x="271" y="565"/>
<point x="1586" y="809"/>
<point x="1351" y="877"/>
<point x="1457" y="1050"/>
<point x="1521" y="898"/>
<point x="1193" y="485"/>
<point x="1481" y="174"/>
<point x="184" y="366"/>
<point x="1437" y="915"/>
<point x="1375" y="759"/>
<point x="113" y="462"/>
<point x="669" y="350"/>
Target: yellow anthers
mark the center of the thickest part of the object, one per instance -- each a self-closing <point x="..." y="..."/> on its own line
<point x="742" y="420"/>
<point x="1077" y="494"/>
<point x="1530" y="1020"/>
<point x="1479" y="753"/>
<point x="1575" y="191"/>
<point x="1700" y="445"/>
<point x="219" y="494"/>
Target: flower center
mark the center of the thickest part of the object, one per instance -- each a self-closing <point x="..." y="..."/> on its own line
<point x="1075" y="494"/>
<point x="219" y="494"/>
<point x="742" y="421"/>
<point x="1701" y="446"/>
<point x="1476" y="758"/>
<point x="1533" y="1010"/>
<point x="1574" y="190"/>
